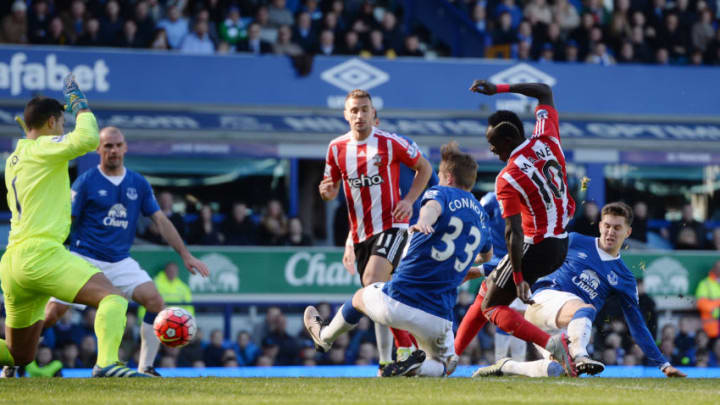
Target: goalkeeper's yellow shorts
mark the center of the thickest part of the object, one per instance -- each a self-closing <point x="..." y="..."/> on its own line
<point x="34" y="271"/>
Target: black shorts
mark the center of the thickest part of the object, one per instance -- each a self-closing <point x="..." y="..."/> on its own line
<point x="538" y="260"/>
<point x="388" y="244"/>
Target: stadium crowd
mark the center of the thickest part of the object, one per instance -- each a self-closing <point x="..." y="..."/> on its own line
<point x="601" y="32"/>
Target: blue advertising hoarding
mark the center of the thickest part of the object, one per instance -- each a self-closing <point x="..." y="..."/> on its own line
<point x="162" y="78"/>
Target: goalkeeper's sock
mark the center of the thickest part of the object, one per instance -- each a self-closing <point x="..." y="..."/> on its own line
<point x="471" y="324"/>
<point x="149" y="343"/>
<point x="345" y="320"/>
<point x="579" y="330"/>
<point x="109" y="328"/>
<point x="384" y="340"/>
<point x="431" y="368"/>
<point x="537" y="368"/>
<point x="6" y="358"/>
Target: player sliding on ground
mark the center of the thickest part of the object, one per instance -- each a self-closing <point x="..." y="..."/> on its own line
<point x="36" y="265"/>
<point x="449" y="234"/>
<point x="536" y="205"/>
<point x="570" y="297"/>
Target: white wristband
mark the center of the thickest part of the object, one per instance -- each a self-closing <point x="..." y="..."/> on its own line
<point x="664" y="366"/>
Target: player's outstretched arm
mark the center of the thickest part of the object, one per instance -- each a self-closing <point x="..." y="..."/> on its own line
<point x="541" y="91"/>
<point x="349" y="255"/>
<point x="429" y="213"/>
<point x="171" y="235"/>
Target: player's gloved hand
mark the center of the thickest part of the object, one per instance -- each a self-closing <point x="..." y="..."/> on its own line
<point x="402" y="210"/>
<point x="349" y="259"/>
<point x="523" y="292"/>
<point x="75" y="100"/>
<point x="195" y="266"/>
<point x="483" y="87"/>
<point x="671" y="371"/>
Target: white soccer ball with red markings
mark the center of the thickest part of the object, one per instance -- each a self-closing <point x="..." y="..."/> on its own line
<point x="175" y="327"/>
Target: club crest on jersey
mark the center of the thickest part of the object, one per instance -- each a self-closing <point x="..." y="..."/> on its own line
<point x="588" y="281"/>
<point x="116" y="217"/>
<point x="541" y="114"/>
<point x="582" y="255"/>
<point x="102" y="192"/>
<point x="365" y="181"/>
<point x="612" y="278"/>
<point x="131" y="193"/>
<point x="377" y="160"/>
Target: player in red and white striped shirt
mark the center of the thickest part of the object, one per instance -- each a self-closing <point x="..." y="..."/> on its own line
<point x="367" y="161"/>
<point x="534" y="199"/>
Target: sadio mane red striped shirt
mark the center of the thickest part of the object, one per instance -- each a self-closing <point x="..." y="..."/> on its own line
<point x="370" y="173"/>
<point x="534" y="181"/>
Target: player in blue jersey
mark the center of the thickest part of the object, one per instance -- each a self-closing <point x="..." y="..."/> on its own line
<point x="450" y="233"/>
<point x="106" y="204"/>
<point x="406" y="179"/>
<point x="571" y="296"/>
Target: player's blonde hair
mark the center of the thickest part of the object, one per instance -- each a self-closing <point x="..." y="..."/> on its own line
<point x="461" y="165"/>
<point x="619" y="209"/>
<point x="358" y="93"/>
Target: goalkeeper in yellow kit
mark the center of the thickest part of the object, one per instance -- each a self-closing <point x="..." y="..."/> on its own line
<point x="36" y="265"/>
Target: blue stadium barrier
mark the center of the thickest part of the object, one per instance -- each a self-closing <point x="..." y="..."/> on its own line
<point x="371" y="371"/>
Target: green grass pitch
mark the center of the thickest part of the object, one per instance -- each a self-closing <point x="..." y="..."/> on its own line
<point x="415" y="391"/>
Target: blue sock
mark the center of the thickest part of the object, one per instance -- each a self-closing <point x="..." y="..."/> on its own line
<point x="149" y="317"/>
<point x="589" y="313"/>
<point x="351" y="315"/>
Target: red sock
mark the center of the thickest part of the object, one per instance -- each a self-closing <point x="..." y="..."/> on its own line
<point x="471" y="324"/>
<point x="402" y="338"/>
<point x="515" y="324"/>
<point x="414" y="342"/>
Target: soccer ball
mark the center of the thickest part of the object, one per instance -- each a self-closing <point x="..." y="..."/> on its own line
<point x="175" y="327"/>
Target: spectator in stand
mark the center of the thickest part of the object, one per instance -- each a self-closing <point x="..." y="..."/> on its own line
<point x="504" y="34"/>
<point x="479" y="18"/>
<point x="330" y="22"/>
<point x="377" y="47"/>
<point x="675" y="38"/>
<point x="204" y="231"/>
<point x="696" y="58"/>
<point x="715" y="241"/>
<point x="268" y="32"/>
<point x="284" y="44"/>
<point x="685" y="16"/>
<point x="144" y="21"/>
<point x="554" y="38"/>
<point x="274" y="225"/>
<point x="198" y="41"/>
<point x="69" y="356"/>
<point x="74" y="20"/>
<point x="247" y="351"/>
<point x="391" y="32"/>
<point x="647" y="307"/>
<point x="14" y="26"/>
<point x="515" y="12"/>
<point x="597" y="9"/>
<point x="56" y="33"/>
<point x="312" y="7"/>
<point x="571" y="52"/>
<point x="254" y="43"/>
<point x="708" y="302"/>
<point x="523" y="51"/>
<point x="88" y="351"/>
<point x="600" y="56"/>
<point x="239" y="228"/>
<point x="538" y="11"/>
<point x="204" y="15"/>
<point x="278" y="14"/>
<point x="547" y="54"/>
<point x="581" y="34"/>
<point x="695" y="237"/>
<point x="233" y="29"/>
<point x="303" y="33"/>
<point x="703" y="31"/>
<point x="160" y="42"/>
<point x="412" y="47"/>
<point x="44" y="365"/>
<point x="565" y="15"/>
<point x="351" y="45"/>
<point x="37" y="21"/>
<point x="685" y="340"/>
<point x="296" y="235"/>
<point x="641" y="49"/>
<point x="287" y="346"/>
<point x="640" y="223"/>
<point x="618" y="31"/>
<point x="326" y="46"/>
<point x="111" y="23"/>
<point x="91" y="37"/>
<point x="129" y="37"/>
<point x="166" y="201"/>
<point x="525" y="34"/>
<point x="175" y="26"/>
<point x="588" y="222"/>
<point x="214" y="351"/>
<point x="193" y="354"/>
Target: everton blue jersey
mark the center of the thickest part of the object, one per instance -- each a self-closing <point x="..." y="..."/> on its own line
<point x="593" y="275"/>
<point x="497" y="231"/>
<point x="434" y="266"/>
<point x="407" y="175"/>
<point x="105" y="214"/>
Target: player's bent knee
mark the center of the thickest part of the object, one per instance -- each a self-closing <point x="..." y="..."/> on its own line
<point x="154" y="304"/>
<point x="357" y="300"/>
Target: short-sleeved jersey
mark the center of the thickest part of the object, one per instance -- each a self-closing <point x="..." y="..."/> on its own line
<point x="370" y="171"/>
<point x="533" y="183"/>
<point x="38" y="184"/>
<point x="496" y="223"/>
<point x="593" y="275"/>
<point x="407" y="176"/>
<point x="434" y="266"/>
<point x="105" y="214"/>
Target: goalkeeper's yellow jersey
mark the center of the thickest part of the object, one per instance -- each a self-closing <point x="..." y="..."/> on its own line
<point x="38" y="183"/>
